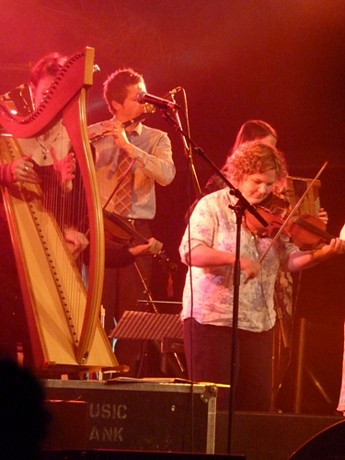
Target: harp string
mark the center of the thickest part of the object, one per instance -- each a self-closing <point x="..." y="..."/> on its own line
<point x="64" y="202"/>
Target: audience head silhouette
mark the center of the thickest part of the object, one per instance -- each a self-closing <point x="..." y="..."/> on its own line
<point x="24" y="417"/>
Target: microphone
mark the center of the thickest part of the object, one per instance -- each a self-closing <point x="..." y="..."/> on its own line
<point x="146" y="98"/>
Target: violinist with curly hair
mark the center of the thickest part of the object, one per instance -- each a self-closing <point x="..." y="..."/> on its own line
<point x="208" y="249"/>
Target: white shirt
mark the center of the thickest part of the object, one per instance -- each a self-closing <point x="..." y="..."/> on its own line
<point x="154" y="162"/>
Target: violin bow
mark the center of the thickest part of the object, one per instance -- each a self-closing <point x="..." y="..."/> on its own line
<point x="289" y="217"/>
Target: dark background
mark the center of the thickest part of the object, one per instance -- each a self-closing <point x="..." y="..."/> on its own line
<point x="282" y="61"/>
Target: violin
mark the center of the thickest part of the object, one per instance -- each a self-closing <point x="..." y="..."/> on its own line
<point x="306" y="231"/>
<point x="122" y="232"/>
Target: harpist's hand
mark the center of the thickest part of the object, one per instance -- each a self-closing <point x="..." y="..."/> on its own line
<point x="65" y="168"/>
<point x="76" y="241"/>
<point x="23" y="171"/>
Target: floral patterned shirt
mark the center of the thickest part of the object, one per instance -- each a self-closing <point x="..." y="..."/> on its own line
<point x="213" y="224"/>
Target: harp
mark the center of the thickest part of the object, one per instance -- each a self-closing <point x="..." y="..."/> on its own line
<point x="62" y="309"/>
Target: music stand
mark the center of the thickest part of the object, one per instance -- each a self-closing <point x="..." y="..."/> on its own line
<point x="141" y="325"/>
<point x="163" y="327"/>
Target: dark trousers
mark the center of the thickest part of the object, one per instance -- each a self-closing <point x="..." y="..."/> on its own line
<point x="122" y="289"/>
<point x="208" y="355"/>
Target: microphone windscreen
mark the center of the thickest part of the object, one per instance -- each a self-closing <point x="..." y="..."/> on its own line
<point x="141" y="97"/>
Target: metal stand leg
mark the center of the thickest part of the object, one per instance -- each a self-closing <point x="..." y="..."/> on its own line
<point x="144" y="355"/>
<point x="302" y="370"/>
<point x="281" y="353"/>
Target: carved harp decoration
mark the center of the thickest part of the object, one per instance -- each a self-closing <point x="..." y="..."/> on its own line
<point x="62" y="309"/>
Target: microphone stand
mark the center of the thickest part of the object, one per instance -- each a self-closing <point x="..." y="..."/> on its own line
<point x="186" y="145"/>
<point x="239" y="208"/>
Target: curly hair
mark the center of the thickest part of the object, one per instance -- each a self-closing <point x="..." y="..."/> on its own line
<point x="115" y="86"/>
<point x="256" y="157"/>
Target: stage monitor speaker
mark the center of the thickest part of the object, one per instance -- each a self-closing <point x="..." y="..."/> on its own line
<point x="329" y="444"/>
<point x="266" y="436"/>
